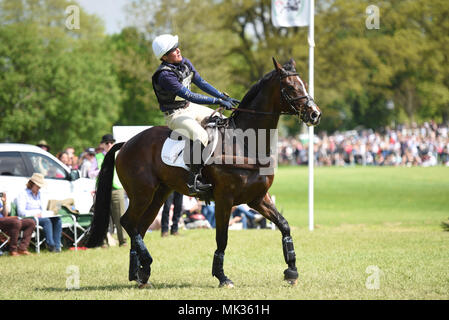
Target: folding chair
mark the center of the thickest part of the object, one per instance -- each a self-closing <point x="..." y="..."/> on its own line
<point x="37" y="242"/>
<point x="77" y="223"/>
<point x="83" y="222"/>
<point x="4" y="239"/>
<point x="68" y="226"/>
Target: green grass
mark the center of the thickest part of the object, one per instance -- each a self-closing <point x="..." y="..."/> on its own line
<point x="383" y="217"/>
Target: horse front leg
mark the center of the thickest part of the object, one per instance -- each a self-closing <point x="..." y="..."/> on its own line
<point x="222" y="214"/>
<point x="267" y="208"/>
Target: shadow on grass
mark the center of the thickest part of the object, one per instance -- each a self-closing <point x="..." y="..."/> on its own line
<point x="152" y="286"/>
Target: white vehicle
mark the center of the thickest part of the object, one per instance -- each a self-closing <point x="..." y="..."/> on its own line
<point x="18" y="162"/>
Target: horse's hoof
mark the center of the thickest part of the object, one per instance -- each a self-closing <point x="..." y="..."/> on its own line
<point x="226" y="284"/>
<point x="144" y="285"/>
<point x="292" y="282"/>
<point x="142" y="276"/>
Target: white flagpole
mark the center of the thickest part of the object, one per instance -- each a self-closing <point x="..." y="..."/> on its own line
<point x="311" y="40"/>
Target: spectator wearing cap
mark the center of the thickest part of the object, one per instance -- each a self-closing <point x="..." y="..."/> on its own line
<point x="87" y="161"/>
<point x="118" y="193"/>
<point x="30" y="203"/>
<point x="106" y="143"/>
<point x="43" y="145"/>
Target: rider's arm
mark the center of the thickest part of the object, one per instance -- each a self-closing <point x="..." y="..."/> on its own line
<point x="207" y="87"/>
<point x="170" y="82"/>
<point x="195" y="97"/>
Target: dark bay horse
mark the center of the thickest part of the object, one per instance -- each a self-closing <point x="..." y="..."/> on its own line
<point x="148" y="181"/>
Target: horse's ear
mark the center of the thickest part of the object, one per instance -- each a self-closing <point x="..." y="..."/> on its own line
<point x="292" y="62"/>
<point x="277" y="66"/>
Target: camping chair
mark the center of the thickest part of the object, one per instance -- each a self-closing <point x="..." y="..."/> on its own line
<point x="68" y="226"/>
<point x="75" y="225"/>
<point x="68" y="221"/>
<point x="81" y="224"/>
<point x="4" y="239"/>
<point x="37" y="242"/>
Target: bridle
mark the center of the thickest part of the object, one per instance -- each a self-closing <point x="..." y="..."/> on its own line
<point x="287" y="99"/>
<point x="290" y="101"/>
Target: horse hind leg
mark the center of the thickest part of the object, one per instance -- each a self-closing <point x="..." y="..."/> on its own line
<point x="269" y="211"/>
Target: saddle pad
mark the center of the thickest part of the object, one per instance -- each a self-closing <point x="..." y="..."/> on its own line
<point x="172" y="153"/>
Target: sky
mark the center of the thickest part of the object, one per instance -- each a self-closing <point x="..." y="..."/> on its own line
<point x="111" y="11"/>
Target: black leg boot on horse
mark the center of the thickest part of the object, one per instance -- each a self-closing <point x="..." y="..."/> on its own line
<point x="194" y="160"/>
<point x="139" y="262"/>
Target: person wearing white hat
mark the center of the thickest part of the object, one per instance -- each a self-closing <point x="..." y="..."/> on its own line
<point x="183" y="108"/>
<point x="30" y="203"/>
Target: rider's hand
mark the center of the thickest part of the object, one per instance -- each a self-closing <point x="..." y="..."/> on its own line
<point x="232" y="101"/>
<point x="226" y="104"/>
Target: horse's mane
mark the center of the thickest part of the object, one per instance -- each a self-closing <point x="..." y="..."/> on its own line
<point x="254" y="90"/>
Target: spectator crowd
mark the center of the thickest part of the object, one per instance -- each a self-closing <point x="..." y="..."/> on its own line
<point x="425" y="145"/>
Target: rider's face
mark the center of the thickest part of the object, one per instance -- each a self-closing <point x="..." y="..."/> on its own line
<point x="173" y="56"/>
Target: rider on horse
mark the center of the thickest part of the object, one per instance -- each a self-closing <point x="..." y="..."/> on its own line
<point x="182" y="107"/>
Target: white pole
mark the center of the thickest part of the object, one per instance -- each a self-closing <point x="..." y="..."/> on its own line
<point x="311" y="40"/>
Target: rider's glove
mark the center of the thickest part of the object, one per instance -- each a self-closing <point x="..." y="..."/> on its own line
<point x="224" y="103"/>
<point x="233" y="101"/>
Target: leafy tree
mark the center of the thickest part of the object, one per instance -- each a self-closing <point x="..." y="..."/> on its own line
<point x="54" y="84"/>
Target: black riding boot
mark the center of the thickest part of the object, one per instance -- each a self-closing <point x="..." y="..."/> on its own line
<point x="195" y="184"/>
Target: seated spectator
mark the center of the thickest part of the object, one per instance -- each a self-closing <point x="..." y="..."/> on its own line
<point x="208" y="211"/>
<point x="191" y="208"/>
<point x="244" y="214"/>
<point x="12" y="227"/>
<point x="30" y="203"/>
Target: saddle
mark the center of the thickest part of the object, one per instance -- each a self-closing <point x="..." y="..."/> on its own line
<point x="172" y="153"/>
<point x="222" y="148"/>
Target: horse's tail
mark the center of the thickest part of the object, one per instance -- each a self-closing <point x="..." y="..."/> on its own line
<point x="102" y="204"/>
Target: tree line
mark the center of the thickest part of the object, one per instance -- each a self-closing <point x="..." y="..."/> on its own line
<point x="71" y="86"/>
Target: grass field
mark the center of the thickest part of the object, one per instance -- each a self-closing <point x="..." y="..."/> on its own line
<point x="377" y="236"/>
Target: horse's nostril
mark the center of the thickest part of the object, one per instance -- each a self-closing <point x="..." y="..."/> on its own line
<point x="314" y="115"/>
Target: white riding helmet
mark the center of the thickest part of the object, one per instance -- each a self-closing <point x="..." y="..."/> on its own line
<point x="164" y="43"/>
